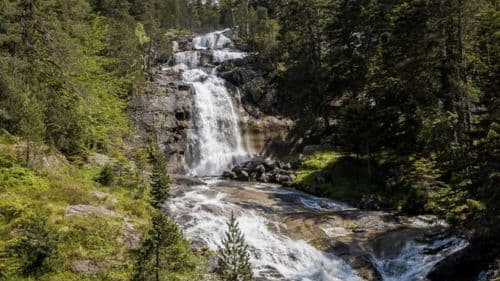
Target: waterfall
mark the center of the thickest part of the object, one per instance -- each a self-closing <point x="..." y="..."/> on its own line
<point x="214" y="138"/>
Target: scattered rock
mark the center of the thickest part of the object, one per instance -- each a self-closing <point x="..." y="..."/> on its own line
<point x="131" y="238"/>
<point x="263" y="171"/>
<point x="98" y="159"/>
<point x="229" y="175"/>
<point x="89" y="267"/>
<point x="186" y="180"/>
<point x="242" y="175"/>
<point x="74" y="210"/>
<point x="100" y="195"/>
<point x="260" y="169"/>
<point x="297" y="163"/>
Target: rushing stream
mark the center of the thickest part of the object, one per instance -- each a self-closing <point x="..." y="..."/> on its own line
<point x="284" y="228"/>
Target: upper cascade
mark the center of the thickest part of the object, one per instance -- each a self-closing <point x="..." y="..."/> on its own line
<point x="215" y="140"/>
<point x="212" y="41"/>
<point x="215" y="45"/>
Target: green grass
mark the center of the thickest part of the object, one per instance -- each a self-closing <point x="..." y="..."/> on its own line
<point x="349" y="179"/>
<point x="25" y="192"/>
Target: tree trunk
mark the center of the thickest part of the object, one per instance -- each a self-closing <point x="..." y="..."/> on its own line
<point x="28" y="152"/>
<point x="157" y="258"/>
<point x="369" y="158"/>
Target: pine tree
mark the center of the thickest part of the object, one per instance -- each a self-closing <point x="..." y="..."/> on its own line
<point x="234" y="259"/>
<point x="160" y="181"/>
<point x="37" y="247"/>
<point x="163" y="252"/>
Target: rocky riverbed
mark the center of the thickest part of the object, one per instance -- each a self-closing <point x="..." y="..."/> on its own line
<point x="296" y="236"/>
<point x="263" y="170"/>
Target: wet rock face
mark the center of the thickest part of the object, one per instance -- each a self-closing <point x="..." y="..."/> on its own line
<point x="263" y="171"/>
<point x="258" y="96"/>
<point x="164" y="111"/>
<point x="469" y="263"/>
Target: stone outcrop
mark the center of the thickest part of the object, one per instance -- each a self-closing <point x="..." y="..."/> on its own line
<point x="75" y="210"/>
<point x="164" y="111"/>
<point x="263" y="126"/>
<point x="88" y="267"/>
<point x="263" y="171"/>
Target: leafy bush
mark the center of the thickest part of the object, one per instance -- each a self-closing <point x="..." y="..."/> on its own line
<point x="106" y="176"/>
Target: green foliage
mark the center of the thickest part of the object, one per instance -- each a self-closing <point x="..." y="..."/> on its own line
<point x="59" y="83"/>
<point x="36" y="249"/>
<point x="106" y="176"/>
<point x="163" y="254"/>
<point x="345" y="178"/>
<point x="160" y="181"/>
<point x="234" y="259"/>
<point x="34" y="202"/>
<point x="407" y="86"/>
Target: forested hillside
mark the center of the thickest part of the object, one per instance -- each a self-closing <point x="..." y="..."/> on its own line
<point x="408" y="89"/>
<point x="410" y="86"/>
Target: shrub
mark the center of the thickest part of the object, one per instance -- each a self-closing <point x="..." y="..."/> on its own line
<point x="106" y="176"/>
<point x="37" y="247"/>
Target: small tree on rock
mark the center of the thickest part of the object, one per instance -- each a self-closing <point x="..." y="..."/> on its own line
<point x="234" y="259"/>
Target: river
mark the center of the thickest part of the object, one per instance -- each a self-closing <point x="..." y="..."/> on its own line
<point x="291" y="235"/>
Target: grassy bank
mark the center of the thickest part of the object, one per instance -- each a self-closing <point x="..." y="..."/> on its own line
<point x="40" y="233"/>
<point x="331" y="174"/>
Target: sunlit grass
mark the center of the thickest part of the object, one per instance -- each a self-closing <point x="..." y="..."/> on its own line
<point x="349" y="178"/>
<point x="25" y="192"/>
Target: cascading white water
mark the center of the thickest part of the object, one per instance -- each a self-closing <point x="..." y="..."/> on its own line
<point x="187" y="58"/>
<point x="274" y="256"/>
<point x="213" y="40"/>
<point x="214" y="138"/>
<point x="414" y="261"/>
<point x="215" y="142"/>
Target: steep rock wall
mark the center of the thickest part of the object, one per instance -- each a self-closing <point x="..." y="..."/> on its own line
<point x="162" y="113"/>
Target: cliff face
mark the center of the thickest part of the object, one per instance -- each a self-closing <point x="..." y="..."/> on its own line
<point x="163" y="111"/>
